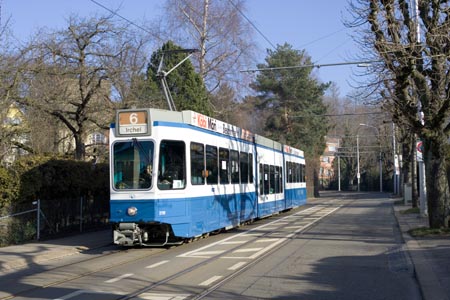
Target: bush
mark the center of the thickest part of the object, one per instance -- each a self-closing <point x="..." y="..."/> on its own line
<point x="8" y="190"/>
<point x="60" y="185"/>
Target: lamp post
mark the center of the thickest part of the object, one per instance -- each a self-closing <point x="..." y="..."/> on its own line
<point x="358" y="175"/>
<point x="380" y="160"/>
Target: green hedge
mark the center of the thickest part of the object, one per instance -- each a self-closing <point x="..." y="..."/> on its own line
<point x="61" y="185"/>
<point x="8" y="190"/>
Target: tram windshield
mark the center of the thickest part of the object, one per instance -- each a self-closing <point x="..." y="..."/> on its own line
<point x="133" y="164"/>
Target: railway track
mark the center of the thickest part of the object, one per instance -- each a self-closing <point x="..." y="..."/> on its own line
<point x="232" y="255"/>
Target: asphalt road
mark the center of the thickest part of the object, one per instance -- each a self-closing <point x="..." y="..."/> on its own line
<point x="332" y="248"/>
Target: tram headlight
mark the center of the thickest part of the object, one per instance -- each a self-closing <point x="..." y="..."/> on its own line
<point x="131" y="211"/>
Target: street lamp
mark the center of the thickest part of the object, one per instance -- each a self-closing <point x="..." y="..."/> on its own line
<point x="358" y="175"/>
<point x="380" y="160"/>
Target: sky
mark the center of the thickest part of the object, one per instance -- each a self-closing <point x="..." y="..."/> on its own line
<point x="313" y="25"/>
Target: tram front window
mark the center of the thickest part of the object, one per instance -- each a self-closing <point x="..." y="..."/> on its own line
<point x="133" y="165"/>
<point x="172" y="165"/>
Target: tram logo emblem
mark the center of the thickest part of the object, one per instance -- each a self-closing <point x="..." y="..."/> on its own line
<point x="204" y="122"/>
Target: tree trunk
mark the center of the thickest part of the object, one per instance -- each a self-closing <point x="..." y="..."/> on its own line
<point x="80" y="152"/>
<point x="436" y="183"/>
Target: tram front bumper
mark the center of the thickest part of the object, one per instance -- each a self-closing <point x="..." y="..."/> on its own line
<point x="127" y="234"/>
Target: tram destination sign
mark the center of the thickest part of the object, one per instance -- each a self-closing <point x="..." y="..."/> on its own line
<point x="132" y="122"/>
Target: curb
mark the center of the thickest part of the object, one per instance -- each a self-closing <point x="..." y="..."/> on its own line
<point x="423" y="270"/>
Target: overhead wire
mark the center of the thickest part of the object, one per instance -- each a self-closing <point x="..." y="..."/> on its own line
<point x="252" y="24"/>
<point x="123" y="18"/>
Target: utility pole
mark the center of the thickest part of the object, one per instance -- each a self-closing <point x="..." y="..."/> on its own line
<point x="358" y="174"/>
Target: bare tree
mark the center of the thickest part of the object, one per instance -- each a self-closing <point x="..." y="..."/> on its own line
<point x="218" y="30"/>
<point x="73" y="76"/>
<point x="13" y="129"/>
<point x="413" y="44"/>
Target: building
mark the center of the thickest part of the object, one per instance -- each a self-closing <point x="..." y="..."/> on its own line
<point x="326" y="161"/>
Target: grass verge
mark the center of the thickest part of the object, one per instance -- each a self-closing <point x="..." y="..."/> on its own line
<point x="429" y="232"/>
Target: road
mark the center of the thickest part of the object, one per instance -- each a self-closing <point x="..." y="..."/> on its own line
<point x="333" y="248"/>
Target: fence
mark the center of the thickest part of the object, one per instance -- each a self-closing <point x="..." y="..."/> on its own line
<point x="52" y="218"/>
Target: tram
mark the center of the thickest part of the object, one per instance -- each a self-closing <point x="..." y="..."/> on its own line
<point x="176" y="176"/>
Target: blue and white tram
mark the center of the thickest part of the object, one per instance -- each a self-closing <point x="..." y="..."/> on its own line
<point x="179" y="175"/>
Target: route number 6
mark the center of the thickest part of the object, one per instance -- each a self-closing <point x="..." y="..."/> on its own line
<point x="134" y="118"/>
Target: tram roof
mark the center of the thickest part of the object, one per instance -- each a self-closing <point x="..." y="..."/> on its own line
<point x="199" y="120"/>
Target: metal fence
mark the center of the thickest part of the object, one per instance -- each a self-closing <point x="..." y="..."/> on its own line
<point x="44" y="219"/>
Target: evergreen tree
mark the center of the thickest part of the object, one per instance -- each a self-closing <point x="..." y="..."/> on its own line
<point x="186" y="86"/>
<point x="292" y="99"/>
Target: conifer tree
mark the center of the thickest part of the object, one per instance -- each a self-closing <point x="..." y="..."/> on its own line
<point x="294" y="101"/>
<point x="186" y="86"/>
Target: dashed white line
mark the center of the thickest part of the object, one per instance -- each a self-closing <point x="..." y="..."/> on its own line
<point x="211" y="280"/>
<point x="78" y="293"/>
<point x="199" y="253"/>
<point x="247" y="250"/>
<point x="206" y="254"/>
<point x="237" y="266"/>
<point x="112" y="280"/>
<point x="233" y="242"/>
<point x="159" y="296"/>
<point x="265" y="240"/>
<point x="157" y="264"/>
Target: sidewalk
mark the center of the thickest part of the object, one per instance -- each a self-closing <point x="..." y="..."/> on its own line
<point x="430" y="256"/>
<point x="37" y="253"/>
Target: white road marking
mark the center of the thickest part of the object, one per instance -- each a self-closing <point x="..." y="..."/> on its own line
<point x="211" y="280"/>
<point x="247" y="250"/>
<point x="233" y="242"/>
<point x="80" y="292"/>
<point x="157" y="264"/>
<point x="159" y="296"/>
<point x="206" y="254"/>
<point x="237" y="266"/>
<point x="265" y="240"/>
<point x="112" y="280"/>
<point x="252" y="232"/>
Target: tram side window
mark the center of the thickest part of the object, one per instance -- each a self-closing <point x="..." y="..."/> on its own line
<point x="281" y="179"/>
<point x="234" y="165"/>
<point x="294" y="172"/>
<point x="273" y="180"/>
<point x="172" y="165"/>
<point x="270" y="179"/>
<point x="261" y="179"/>
<point x="266" y="179"/>
<point x="224" y="158"/>
<point x="303" y="173"/>
<point x="250" y="167"/>
<point x="212" y="170"/>
<point x="277" y="180"/>
<point x="197" y="164"/>
<point x="288" y="172"/>
<point x="243" y="159"/>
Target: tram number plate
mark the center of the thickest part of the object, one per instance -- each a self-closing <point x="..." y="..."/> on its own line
<point x="133" y="122"/>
